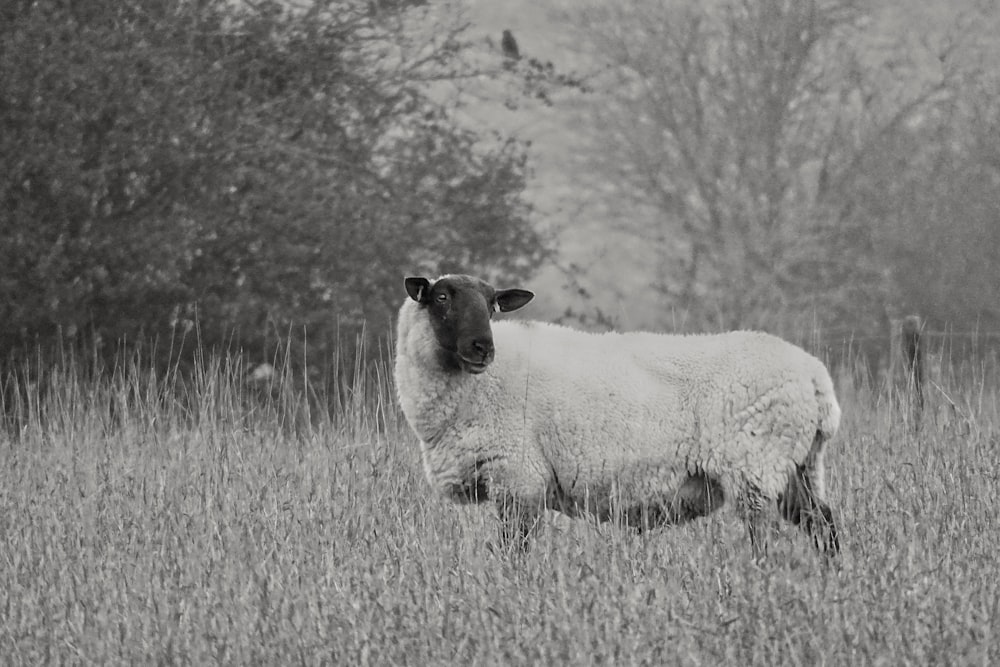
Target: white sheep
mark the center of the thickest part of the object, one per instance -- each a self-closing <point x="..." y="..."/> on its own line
<point x="646" y="429"/>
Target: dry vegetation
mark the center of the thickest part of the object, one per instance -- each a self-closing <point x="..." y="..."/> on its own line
<point x="150" y="521"/>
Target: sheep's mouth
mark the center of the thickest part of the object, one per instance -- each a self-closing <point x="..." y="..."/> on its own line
<point x="474" y="367"/>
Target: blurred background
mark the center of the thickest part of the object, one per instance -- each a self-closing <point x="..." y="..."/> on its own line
<point x="259" y="176"/>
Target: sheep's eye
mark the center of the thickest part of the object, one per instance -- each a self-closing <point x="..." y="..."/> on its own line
<point x="442" y="297"/>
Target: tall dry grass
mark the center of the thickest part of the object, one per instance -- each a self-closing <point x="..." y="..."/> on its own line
<point x="151" y="518"/>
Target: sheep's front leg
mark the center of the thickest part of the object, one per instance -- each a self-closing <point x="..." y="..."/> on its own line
<point x="518" y="521"/>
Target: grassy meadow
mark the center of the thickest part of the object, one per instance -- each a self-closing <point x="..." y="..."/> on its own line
<point x="148" y="520"/>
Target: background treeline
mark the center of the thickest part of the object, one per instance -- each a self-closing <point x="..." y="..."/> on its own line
<point x="236" y="174"/>
<point x="245" y="175"/>
<point x="827" y="165"/>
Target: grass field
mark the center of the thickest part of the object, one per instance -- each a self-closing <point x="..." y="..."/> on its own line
<point x="148" y="521"/>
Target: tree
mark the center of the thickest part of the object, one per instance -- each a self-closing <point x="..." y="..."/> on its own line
<point x="933" y="190"/>
<point x="748" y="125"/>
<point x="261" y="168"/>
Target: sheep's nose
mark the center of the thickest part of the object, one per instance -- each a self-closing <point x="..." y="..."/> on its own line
<point x="483" y="346"/>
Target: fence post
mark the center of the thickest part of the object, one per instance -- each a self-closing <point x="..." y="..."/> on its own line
<point x="914" y="354"/>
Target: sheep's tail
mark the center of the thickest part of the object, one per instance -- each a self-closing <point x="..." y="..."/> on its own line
<point x="828" y="417"/>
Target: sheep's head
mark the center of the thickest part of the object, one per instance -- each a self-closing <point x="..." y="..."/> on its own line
<point x="459" y="309"/>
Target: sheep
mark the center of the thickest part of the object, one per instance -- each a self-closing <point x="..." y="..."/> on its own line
<point x="639" y="428"/>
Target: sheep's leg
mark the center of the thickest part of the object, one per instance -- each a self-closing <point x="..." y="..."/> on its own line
<point x="699" y="495"/>
<point x="643" y="517"/>
<point x="802" y="505"/>
<point x="824" y="530"/>
<point x="750" y="506"/>
<point x="518" y="522"/>
<point x="758" y="545"/>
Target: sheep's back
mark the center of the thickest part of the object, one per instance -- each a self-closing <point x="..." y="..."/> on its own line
<point x="603" y="402"/>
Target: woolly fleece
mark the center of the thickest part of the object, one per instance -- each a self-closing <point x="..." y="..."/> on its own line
<point x="599" y="423"/>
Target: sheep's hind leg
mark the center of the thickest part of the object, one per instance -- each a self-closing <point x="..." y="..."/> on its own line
<point x="801" y="505"/>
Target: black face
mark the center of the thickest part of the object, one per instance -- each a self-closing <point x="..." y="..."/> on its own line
<point x="460" y="308"/>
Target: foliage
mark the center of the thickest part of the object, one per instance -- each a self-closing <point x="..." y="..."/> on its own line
<point x="796" y="159"/>
<point x="933" y="190"/>
<point x="718" y="118"/>
<point x="257" y="168"/>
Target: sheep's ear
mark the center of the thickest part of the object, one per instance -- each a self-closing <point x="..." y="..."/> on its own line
<point x="512" y="299"/>
<point x="418" y="288"/>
